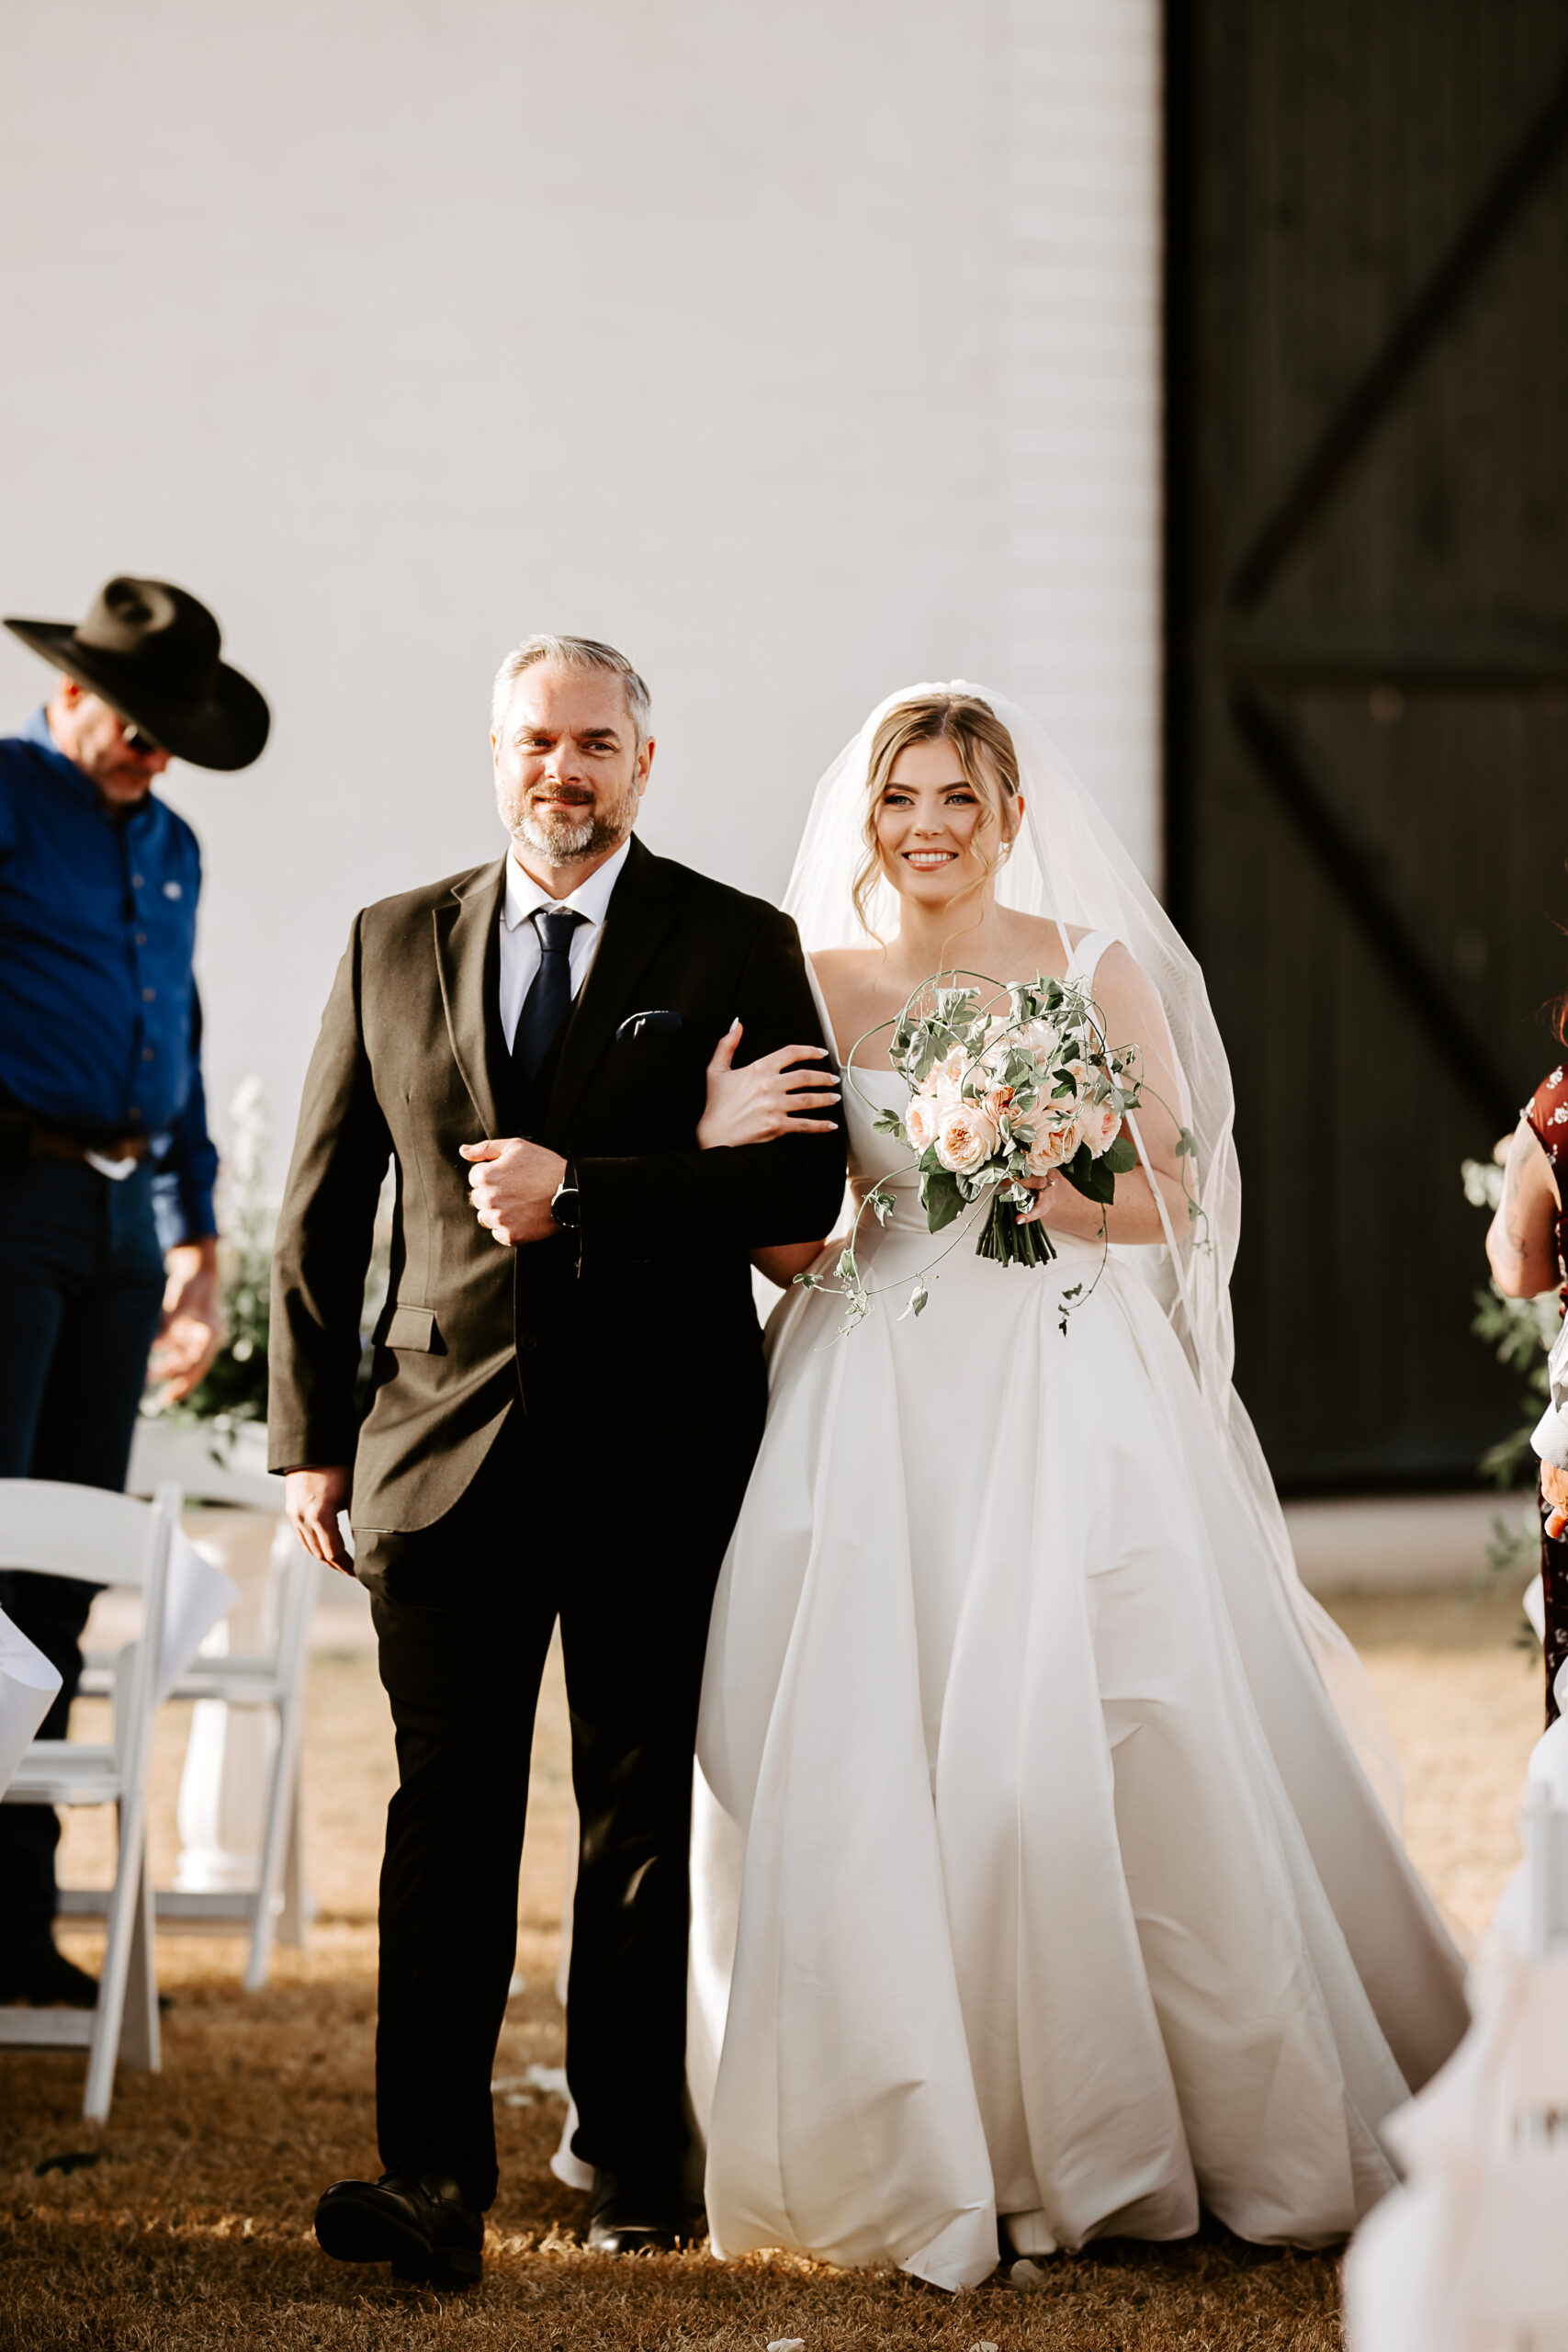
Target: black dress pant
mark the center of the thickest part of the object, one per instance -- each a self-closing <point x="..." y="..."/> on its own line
<point x="81" y="1294"/>
<point x="464" y="1610"/>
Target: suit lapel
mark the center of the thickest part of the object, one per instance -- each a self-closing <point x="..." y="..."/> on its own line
<point x="642" y="908"/>
<point x="467" y="957"/>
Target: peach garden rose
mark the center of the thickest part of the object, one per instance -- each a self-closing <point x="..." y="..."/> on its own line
<point x="1099" y="1124"/>
<point x="920" y="1122"/>
<point x="966" y="1139"/>
<point x="1054" y="1144"/>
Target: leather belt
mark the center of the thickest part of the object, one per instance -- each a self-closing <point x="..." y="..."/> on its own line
<point x="116" y="1158"/>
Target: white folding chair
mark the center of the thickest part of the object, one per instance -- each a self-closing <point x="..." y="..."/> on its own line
<point x="273" y="1910"/>
<point x="1396" y="2283"/>
<point x="1546" y="1869"/>
<point x="1510" y="2288"/>
<point x="1533" y="2093"/>
<point x="107" y="1539"/>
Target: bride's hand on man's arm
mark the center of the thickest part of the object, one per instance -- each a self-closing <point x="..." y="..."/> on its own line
<point x="771" y="1097"/>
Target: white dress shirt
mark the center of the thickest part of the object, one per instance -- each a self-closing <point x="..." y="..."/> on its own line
<point x="520" y="950"/>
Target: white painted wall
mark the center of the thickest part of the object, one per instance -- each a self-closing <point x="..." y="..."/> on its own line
<point x="801" y="351"/>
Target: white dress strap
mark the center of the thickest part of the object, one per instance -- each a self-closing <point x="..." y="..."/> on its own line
<point x="823" y="1014"/>
<point x="1085" y="955"/>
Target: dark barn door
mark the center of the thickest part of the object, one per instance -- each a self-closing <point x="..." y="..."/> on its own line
<point x="1368" y="672"/>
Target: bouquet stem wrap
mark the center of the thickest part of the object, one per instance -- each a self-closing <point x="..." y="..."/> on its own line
<point x="1010" y="1243"/>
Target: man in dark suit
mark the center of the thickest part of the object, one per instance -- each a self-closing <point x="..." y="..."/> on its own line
<point x="568" y="1396"/>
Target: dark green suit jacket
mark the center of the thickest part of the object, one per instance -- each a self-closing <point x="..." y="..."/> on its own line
<point x="633" y="1345"/>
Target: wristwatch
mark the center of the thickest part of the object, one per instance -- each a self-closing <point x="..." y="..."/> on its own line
<point x="566" y="1207"/>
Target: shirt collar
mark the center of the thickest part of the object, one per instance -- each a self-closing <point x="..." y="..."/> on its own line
<point x="36" y="732"/>
<point x="590" y="899"/>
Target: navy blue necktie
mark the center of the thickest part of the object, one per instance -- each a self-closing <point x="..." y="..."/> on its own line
<point x="546" y="1006"/>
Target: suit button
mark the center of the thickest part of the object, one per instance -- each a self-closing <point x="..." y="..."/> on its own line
<point x="526" y="1340"/>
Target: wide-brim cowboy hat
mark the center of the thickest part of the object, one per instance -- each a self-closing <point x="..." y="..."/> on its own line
<point x="151" y="650"/>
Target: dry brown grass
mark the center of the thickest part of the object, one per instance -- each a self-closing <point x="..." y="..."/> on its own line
<point x="194" y="2228"/>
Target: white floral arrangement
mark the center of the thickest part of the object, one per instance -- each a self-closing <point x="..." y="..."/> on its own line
<point x="1000" y="1100"/>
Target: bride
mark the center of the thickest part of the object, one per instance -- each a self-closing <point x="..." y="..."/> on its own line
<point x="1044" y="1870"/>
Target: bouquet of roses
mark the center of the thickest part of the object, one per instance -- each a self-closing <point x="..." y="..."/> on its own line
<point x="998" y="1100"/>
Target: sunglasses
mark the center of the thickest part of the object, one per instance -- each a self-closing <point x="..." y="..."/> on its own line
<point x="136" y="739"/>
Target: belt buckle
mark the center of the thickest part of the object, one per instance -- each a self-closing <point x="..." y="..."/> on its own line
<point x="117" y="1170"/>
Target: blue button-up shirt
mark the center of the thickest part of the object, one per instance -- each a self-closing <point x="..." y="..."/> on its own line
<point x="100" y="1026"/>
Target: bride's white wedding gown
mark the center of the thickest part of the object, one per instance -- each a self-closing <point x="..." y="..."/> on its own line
<point x="1034" y="1872"/>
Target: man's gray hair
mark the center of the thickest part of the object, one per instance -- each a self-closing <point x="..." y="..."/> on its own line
<point x="573" y="653"/>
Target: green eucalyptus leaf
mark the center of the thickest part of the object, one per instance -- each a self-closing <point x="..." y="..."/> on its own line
<point x="1090" y="1177"/>
<point x="940" y="1196"/>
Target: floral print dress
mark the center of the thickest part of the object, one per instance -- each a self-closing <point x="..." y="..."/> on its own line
<point x="1546" y="1114"/>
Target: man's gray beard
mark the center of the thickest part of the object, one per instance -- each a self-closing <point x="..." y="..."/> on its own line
<point x="562" y="844"/>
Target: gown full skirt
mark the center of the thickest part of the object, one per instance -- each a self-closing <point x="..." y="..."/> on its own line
<point x="1035" y="1874"/>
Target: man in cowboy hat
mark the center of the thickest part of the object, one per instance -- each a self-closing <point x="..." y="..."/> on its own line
<point x="107" y="1235"/>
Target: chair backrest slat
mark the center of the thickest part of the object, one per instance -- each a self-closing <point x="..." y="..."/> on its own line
<point x="136" y="1668"/>
<point x="1531" y="2076"/>
<point x="66" y="1531"/>
<point x="184" y="1455"/>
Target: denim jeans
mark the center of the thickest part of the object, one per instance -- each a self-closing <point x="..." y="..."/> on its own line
<point x="81" y="1289"/>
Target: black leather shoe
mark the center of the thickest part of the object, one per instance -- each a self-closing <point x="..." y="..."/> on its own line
<point x="637" y="2213"/>
<point x="42" y="1977"/>
<point x="421" y="2227"/>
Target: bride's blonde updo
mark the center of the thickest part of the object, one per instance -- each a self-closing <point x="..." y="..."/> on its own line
<point x="985" y="753"/>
